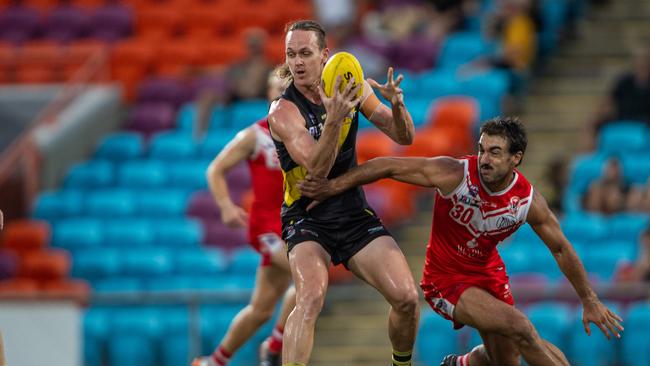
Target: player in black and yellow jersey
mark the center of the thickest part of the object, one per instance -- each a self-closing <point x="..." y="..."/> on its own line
<point x="316" y="134"/>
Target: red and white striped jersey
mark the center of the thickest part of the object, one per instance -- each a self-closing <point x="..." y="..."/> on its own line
<point x="469" y="222"/>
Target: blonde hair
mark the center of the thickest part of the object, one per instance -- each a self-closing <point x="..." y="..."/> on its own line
<point x="283" y="71"/>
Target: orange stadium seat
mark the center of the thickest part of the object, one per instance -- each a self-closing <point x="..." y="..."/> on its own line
<point x="372" y="144"/>
<point x="274" y="49"/>
<point x="157" y="23"/>
<point x="178" y="57"/>
<point x="430" y="142"/>
<point x="43" y="5"/>
<point x="39" y="62"/>
<point x="456" y="116"/>
<point x="253" y="17"/>
<point x="131" y="60"/>
<point x="88" y="4"/>
<point x="7" y="62"/>
<point x="80" y="53"/>
<point x="206" y="22"/>
<point x="222" y="51"/>
<point x="66" y="288"/>
<point x="21" y="287"/>
<point x="45" y="264"/>
<point x="26" y="235"/>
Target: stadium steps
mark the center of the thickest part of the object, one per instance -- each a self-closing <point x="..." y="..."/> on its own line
<point x="566" y="92"/>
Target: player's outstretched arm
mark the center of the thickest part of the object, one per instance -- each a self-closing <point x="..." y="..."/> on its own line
<point x="288" y="125"/>
<point x="444" y="173"/>
<point x="547" y="227"/>
<point x="395" y="122"/>
<point x="239" y="149"/>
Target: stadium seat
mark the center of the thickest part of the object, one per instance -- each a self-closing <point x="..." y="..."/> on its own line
<point x="552" y="321"/>
<point x="198" y="262"/>
<point x="172" y="146"/>
<point x="554" y="17"/>
<point x="438" y="83"/>
<point x="96" y="326"/>
<point x="65" y="23"/>
<point x="215" y="141"/>
<point x="18" y="23"/>
<point x="182" y="233"/>
<point x="163" y="90"/>
<point x="217" y="234"/>
<point x="606" y="258"/>
<point x="246" y="112"/>
<point x="584" y="227"/>
<point x="110" y="204"/>
<point x="636" y="167"/>
<point x="244" y="261"/>
<point x="372" y="144"/>
<point x="627" y="226"/>
<point x="150" y="118"/>
<point x="26" y="235"/>
<point x="461" y="48"/>
<point x="123" y="285"/>
<point x="78" y="233"/>
<point x="584" y="169"/>
<point x="159" y="22"/>
<point x="436" y="338"/>
<point x="419" y="109"/>
<point x="188" y="175"/>
<point x="635" y="341"/>
<point x="94" y="264"/>
<point x="142" y="174"/>
<point x="623" y="137"/>
<point x="45" y="264"/>
<point x="131" y="350"/>
<point x="92" y="174"/>
<point x="147" y="262"/>
<point x="161" y="203"/>
<point x="128" y="233"/>
<point x="111" y="22"/>
<point x="594" y="350"/>
<point x="121" y="146"/>
<point x="516" y="258"/>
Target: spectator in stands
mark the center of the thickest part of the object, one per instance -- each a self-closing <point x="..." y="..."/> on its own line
<point x="557" y="176"/>
<point x="246" y="79"/>
<point x="607" y="194"/>
<point x="628" y="99"/>
<point x="638" y="200"/>
<point x="639" y="271"/>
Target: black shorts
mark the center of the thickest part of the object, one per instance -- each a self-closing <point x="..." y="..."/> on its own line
<point x="341" y="238"/>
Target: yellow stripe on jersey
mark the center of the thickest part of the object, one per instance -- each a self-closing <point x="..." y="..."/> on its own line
<point x="291" y="179"/>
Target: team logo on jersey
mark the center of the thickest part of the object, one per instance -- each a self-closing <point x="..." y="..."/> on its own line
<point x="473" y="190"/>
<point x="513" y="206"/>
<point x="316" y="130"/>
<point x="506" y="221"/>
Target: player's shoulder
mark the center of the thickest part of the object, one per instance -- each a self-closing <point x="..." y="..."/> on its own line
<point x="282" y="110"/>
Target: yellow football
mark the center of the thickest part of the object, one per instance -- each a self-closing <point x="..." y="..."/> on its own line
<point x="344" y="64"/>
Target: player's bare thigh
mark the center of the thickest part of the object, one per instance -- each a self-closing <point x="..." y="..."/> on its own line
<point x="479" y="309"/>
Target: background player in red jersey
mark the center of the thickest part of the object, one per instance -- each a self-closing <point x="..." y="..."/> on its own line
<point x="254" y="145"/>
<point x="480" y="201"/>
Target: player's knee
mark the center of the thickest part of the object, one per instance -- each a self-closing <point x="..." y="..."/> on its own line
<point x="262" y="314"/>
<point x="407" y="302"/>
<point x="521" y="330"/>
<point x="311" y="302"/>
<point x="506" y="360"/>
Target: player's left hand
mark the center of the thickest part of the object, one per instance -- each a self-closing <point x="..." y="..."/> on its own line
<point x="317" y="188"/>
<point x="391" y="90"/>
<point x="599" y="314"/>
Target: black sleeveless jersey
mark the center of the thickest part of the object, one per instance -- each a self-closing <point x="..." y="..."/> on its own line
<point x="336" y="207"/>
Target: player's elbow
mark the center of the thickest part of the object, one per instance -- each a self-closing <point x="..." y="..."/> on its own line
<point x="405" y="140"/>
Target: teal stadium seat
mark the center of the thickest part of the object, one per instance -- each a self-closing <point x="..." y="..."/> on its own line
<point x="110" y="204"/>
<point x="173" y="146"/>
<point x="147" y="262"/>
<point x="584" y="227"/>
<point x="246" y="112"/>
<point x="78" y="233"/>
<point x="188" y="175"/>
<point x="636" y="343"/>
<point x="461" y="48"/>
<point x="96" y="263"/>
<point x="623" y="137"/>
<point x="244" y="260"/>
<point x="438" y="83"/>
<point x="594" y="350"/>
<point x="177" y="233"/>
<point x="161" y="203"/>
<point x="208" y="261"/>
<point x="56" y="205"/>
<point x="606" y="258"/>
<point x="215" y="141"/>
<point x="143" y="174"/>
<point x="121" y="146"/>
<point x="636" y="167"/>
<point x="128" y="233"/>
<point x="552" y="321"/>
<point x="436" y="338"/>
<point x="92" y="174"/>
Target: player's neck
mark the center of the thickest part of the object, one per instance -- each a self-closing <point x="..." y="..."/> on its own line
<point x="501" y="185"/>
<point x="310" y="92"/>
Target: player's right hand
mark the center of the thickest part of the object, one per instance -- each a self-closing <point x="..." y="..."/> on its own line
<point x="316" y="188"/>
<point x="234" y="216"/>
<point x="339" y="105"/>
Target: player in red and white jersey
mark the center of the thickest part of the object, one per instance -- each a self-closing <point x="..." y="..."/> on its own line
<point x="480" y="201"/>
<point x="273" y="278"/>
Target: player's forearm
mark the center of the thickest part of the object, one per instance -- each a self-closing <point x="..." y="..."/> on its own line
<point x="368" y="172"/>
<point x="402" y="122"/>
<point x="219" y="187"/>
<point x="574" y="271"/>
<point x="324" y="153"/>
